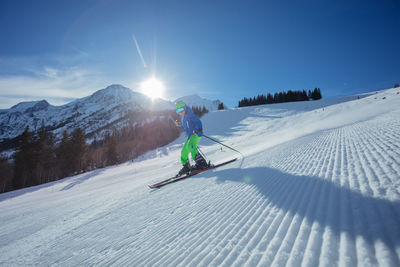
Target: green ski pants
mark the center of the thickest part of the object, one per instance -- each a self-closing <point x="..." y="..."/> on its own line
<point x="190" y="146"/>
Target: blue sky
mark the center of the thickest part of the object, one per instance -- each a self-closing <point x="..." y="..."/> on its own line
<point x="227" y="50"/>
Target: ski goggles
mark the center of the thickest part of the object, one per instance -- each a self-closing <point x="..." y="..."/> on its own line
<point x="179" y="110"/>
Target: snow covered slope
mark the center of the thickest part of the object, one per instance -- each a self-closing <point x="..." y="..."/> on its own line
<point x="319" y="186"/>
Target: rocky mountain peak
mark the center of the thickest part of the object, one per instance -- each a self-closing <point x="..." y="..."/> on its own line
<point x="31" y="106"/>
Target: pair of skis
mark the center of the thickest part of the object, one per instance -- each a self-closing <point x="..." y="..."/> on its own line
<point x="194" y="172"/>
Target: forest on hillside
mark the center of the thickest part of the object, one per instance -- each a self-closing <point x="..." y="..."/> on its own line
<point x="40" y="159"/>
<point x="281" y="97"/>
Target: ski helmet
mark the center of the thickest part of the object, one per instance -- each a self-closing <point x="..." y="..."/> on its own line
<point x="180" y="106"/>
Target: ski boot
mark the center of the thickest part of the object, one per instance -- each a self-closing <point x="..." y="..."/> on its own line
<point x="185" y="169"/>
<point x="201" y="163"/>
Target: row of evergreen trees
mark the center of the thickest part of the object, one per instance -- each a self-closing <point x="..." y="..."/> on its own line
<point x="282" y="97"/>
<point x="40" y="159"/>
<point x="199" y="111"/>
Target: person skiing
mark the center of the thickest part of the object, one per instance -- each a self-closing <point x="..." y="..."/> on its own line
<point x="194" y="131"/>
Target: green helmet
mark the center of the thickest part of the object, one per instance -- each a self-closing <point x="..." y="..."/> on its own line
<point x="180" y="107"/>
<point x="179" y="104"/>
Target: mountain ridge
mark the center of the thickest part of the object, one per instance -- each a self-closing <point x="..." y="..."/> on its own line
<point x="106" y="109"/>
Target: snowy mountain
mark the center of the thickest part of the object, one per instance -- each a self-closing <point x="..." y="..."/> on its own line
<point x="197" y="101"/>
<point x="319" y="185"/>
<point x="113" y="107"/>
<point x="99" y="112"/>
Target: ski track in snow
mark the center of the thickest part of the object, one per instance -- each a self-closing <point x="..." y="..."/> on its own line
<point x="359" y="177"/>
<point x="328" y="198"/>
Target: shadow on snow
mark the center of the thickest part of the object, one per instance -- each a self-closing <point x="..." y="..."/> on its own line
<point x="325" y="202"/>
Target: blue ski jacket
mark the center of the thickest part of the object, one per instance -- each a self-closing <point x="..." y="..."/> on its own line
<point x="191" y="123"/>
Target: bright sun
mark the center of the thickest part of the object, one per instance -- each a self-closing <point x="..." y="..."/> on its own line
<point x="152" y="88"/>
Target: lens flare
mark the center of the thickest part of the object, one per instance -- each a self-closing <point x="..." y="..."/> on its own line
<point x="153" y="88"/>
<point x="139" y="51"/>
<point x="247" y="179"/>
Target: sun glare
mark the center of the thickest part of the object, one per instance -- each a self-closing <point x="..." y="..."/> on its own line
<point x="153" y="88"/>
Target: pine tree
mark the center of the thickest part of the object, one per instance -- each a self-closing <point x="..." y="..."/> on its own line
<point x="112" y="149"/>
<point x="79" y="150"/>
<point x="204" y="111"/>
<point x="23" y="160"/>
<point x="64" y="156"/>
<point x="6" y="174"/>
<point x="316" y="94"/>
<point x="45" y="156"/>
<point x="304" y="96"/>
<point x="270" y="99"/>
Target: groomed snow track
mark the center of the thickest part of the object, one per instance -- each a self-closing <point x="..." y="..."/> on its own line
<point x="330" y="197"/>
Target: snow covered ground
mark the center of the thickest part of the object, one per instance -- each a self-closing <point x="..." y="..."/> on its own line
<point x="319" y="186"/>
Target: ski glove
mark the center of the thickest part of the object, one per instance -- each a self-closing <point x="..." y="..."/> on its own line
<point x="199" y="132"/>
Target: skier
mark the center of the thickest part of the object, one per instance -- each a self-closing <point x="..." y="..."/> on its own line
<point x="194" y="131"/>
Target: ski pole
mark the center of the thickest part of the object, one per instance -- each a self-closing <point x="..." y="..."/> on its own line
<point x="201" y="152"/>
<point x="216" y="141"/>
<point x="204" y="155"/>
